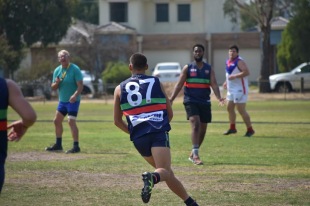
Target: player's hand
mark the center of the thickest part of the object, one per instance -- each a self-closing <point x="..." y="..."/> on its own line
<point x="222" y="102"/>
<point x="72" y="99"/>
<point x="17" y="130"/>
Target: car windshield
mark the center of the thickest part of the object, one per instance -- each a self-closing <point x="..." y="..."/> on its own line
<point x="168" y="67"/>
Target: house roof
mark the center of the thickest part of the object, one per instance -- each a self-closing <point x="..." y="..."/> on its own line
<point x="76" y="30"/>
<point x="279" y="23"/>
<point x="114" y="27"/>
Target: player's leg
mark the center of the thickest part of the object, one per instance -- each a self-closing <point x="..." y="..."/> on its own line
<point x="3" y="155"/>
<point x="196" y="138"/>
<point x="241" y="107"/>
<point x="231" y="117"/>
<point x="202" y="132"/>
<point x="73" y="109"/>
<point x="205" y="117"/>
<point x="60" y="114"/>
<point x="59" y="117"/>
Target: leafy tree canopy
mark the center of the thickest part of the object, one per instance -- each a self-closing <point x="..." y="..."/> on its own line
<point x="295" y="44"/>
<point x="87" y="10"/>
<point x="35" y="20"/>
<point x="28" y="21"/>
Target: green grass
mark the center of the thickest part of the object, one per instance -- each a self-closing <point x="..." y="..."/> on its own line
<point x="271" y="168"/>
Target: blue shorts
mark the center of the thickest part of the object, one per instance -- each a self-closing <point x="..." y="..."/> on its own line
<point x="144" y="143"/>
<point x="202" y="110"/>
<point x="69" y="108"/>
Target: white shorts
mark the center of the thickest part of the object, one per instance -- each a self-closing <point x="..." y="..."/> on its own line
<point x="237" y="97"/>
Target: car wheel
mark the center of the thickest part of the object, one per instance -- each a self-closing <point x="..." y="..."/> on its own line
<point x="283" y="88"/>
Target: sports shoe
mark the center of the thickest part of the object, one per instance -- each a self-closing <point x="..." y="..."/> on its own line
<point x="195" y="160"/>
<point x="73" y="150"/>
<point x="249" y="133"/>
<point x="230" y="131"/>
<point x="54" y="148"/>
<point x="148" y="186"/>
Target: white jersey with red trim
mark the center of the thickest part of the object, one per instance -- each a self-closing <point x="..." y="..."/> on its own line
<point x="237" y="85"/>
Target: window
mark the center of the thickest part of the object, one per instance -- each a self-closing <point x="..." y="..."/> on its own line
<point x="305" y="69"/>
<point x="119" y="12"/>
<point x="184" y="12"/>
<point x="162" y="12"/>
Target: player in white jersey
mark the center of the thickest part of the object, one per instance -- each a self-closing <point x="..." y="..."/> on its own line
<point x="237" y="87"/>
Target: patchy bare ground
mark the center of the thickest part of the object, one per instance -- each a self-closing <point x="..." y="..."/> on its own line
<point x="105" y="179"/>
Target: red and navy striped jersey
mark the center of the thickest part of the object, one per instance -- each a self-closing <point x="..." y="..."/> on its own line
<point x="144" y="105"/>
<point x="197" y="84"/>
<point x="4" y="102"/>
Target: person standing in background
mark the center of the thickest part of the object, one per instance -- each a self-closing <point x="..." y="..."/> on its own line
<point x="198" y="78"/>
<point x="68" y="79"/>
<point x="11" y="95"/>
<point x="237" y="87"/>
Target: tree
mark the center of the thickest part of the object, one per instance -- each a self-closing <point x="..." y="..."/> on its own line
<point x="87" y="10"/>
<point x="26" y="22"/>
<point x="7" y="54"/>
<point x="295" y="44"/>
<point x="262" y="12"/>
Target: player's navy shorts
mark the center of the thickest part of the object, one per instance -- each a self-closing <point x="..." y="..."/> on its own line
<point x="202" y="110"/>
<point x="69" y="108"/>
<point x="144" y="143"/>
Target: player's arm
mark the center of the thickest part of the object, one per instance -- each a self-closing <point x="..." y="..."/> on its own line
<point x="22" y="107"/>
<point x="169" y="108"/>
<point x="56" y="81"/>
<point x="179" y="84"/>
<point x="118" y="114"/>
<point x="216" y="88"/>
<point x="244" y="71"/>
<point x="77" y="92"/>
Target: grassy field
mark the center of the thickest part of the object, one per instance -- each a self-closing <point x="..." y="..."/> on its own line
<point x="271" y="168"/>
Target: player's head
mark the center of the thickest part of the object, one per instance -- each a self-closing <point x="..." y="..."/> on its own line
<point x="63" y="56"/>
<point x="138" y="62"/>
<point x="234" y="47"/>
<point x="233" y="51"/>
<point x="198" y="51"/>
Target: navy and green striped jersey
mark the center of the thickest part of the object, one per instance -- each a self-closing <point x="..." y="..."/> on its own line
<point x="197" y="84"/>
<point x="4" y="102"/>
<point x="144" y="105"/>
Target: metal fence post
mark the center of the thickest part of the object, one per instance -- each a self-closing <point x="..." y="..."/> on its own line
<point x="301" y="85"/>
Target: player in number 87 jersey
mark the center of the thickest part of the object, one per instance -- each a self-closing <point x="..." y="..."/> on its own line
<point x="142" y="100"/>
<point x="144" y="105"/>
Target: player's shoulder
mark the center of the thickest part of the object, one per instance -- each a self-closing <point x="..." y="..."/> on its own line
<point x="74" y="66"/>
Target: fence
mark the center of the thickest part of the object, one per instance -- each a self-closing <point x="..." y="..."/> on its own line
<point x="42" y="91"/>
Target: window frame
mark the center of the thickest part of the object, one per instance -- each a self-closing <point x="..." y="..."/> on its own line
<point x="187" y="16"/>
<point x="123" y="18"/>
<point x="159" y="18"/>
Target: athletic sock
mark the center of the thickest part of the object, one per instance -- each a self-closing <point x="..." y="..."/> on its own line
<point x="59" y="141"/>
<point x="195" y="150"/>
<point x="190" y="202"/>
<point x="156" y="177"/>
<point x="233" y="126"/>
<point x="250" y="129"/>
<point x="75" y="144"/>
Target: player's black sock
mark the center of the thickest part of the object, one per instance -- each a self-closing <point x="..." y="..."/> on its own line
<point x="156" y="177"/>
<point x="75" y="144"/>
<point x="190" y="202"/>
<point x="59" y="141"/>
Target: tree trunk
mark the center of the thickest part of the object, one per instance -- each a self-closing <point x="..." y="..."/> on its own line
<point x="264" y="85"/>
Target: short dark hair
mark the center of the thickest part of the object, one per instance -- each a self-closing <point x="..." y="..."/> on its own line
<point x="199" y="45"/>
<point x="138" y="61"/>
<point x="234" y="46"/>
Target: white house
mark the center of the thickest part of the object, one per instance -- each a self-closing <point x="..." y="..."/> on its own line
<point x="166" y="30"/>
